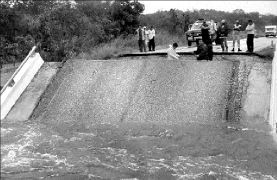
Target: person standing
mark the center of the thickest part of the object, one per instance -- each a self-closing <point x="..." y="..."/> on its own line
<point x="141" y="38"/>
<point x="146" y="33"/>
<point x="223" y="33"/>
<point x="213" y="30"/>
<point x="152" y="39"/>
<point x="250" y="29"/>
<point x="236" y="35"/>
<point x="205" y="31"/>
<point x="144" y="39"/>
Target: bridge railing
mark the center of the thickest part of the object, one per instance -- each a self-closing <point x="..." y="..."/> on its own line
<point x="273" y="95"/>
<point x="18" y="82"/>
<point x="11" y="81"/>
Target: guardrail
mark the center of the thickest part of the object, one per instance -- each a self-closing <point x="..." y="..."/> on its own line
<point x="19" y="81"/>
<point x="273" y="96"/>
<point x="10" y="81"/>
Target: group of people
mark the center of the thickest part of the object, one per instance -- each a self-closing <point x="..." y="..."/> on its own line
<point x="205" y="48"/>
<point x="223" y="31"/>
<point x="146" y="38"/>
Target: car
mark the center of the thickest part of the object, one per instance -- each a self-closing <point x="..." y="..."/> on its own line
<point x="271" y="31"/>
<point x="194" y="32"/>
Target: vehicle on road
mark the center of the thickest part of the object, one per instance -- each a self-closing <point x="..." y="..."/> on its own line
<point x="270" y="30"/>
<point x="194" y="32"/>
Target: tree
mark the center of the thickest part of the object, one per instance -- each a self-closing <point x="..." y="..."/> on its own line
<point x="125" y="15"/>
<point x="238" y="11"/>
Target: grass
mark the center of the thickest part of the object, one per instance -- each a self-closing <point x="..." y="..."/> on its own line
<point x="163" y="39"/>
<point x="128" y="45"/>
<point x="111" y="49"/>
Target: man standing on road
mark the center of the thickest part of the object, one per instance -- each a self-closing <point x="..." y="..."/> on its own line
<point x="223" y="33"/>
<point x="236" y="35"/>
<point x="206" y="39"/>
<point x="146" y="33"/>
<point x="151" y="39"/>
<point x="213" y="30"/>
<point x="141" y="38"/>
<point x="250" y="29"/>
<point x="205" y="33"/>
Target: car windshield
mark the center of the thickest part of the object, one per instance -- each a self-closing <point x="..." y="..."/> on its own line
<point x="196" y="26"/>
<point x="269" y="29"/>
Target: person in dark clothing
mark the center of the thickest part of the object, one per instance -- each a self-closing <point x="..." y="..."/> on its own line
<point x="207" y="40"/>
<point x="250" y="29"/>
<point x="141" y="38"/>
<point x="152" y="39"/>
<point x="210" y="51"/>
<point x="223" y="31"/>
<point x="202" y="52"/>
<point x="205" y="33"/>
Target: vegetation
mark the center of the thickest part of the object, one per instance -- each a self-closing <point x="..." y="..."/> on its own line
<point x="177" y="22"/>
<point x="95" y="29"/>
<point x="128" y="44"/>
<point x="62" y="29"/>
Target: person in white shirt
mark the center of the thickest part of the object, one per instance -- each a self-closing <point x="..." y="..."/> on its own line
<point x="146" y="33"/>
<point x="151" y="39"/>
<point x="236" y="35"/>
<point x="171" y="52"/>
<point x="213" y="30"/>
<point x="250" y="29"/>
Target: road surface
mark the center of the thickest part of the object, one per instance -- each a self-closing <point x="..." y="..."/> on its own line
<point x="259" y="44"/>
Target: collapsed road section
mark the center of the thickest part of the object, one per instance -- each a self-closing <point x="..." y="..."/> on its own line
<point x="148" y="118"/>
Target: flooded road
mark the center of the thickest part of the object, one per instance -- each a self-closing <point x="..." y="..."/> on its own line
<point x="145" y="119"/>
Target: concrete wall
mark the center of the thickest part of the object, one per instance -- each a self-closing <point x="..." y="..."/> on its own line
<point x="273" y="97"/>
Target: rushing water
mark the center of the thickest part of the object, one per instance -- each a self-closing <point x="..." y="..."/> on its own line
<point x="122" y="151"/>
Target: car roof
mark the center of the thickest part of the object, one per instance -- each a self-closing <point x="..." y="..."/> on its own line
<point x="201" y="21"/>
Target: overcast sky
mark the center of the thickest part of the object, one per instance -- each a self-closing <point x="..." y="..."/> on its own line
<point x="263" y="7"/>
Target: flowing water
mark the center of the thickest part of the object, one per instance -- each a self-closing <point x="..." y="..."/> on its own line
<point x="147" y="119"/>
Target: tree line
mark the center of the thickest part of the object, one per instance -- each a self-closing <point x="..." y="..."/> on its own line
<point x="62" y="29"/>
<point x="177" y="21"/>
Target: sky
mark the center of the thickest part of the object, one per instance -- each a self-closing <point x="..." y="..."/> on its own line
<point x="263" y="7"/>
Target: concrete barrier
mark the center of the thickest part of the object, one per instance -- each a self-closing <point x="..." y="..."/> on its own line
<point x="19" y="81"/>
<point x="273" y="96"/>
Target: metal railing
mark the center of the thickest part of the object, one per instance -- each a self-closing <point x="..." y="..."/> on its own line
<point x="11" y="81"/>
<point x="273" y="95"/>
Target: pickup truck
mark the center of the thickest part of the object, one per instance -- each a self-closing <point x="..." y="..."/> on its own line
<point x="194" y="32"/>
